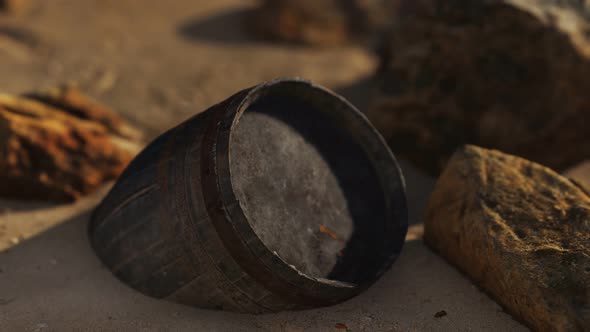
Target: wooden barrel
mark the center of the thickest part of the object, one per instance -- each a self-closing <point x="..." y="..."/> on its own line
<point x="281" y="197"/>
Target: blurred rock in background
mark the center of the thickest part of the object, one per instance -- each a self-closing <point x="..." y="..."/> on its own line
<point x="321" y="22"/>
<point x="520" y="231"/>
<point x="510" y="75"/>
<point x="59" y="145"/>
<point x="15" y="6"/>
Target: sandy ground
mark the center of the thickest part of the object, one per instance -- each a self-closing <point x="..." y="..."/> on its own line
<point x="157" y="63"/>
<point x="581" y="173"/>
<point x="52" y="281"/>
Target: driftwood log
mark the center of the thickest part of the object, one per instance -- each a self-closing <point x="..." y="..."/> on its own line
<point x="60" y="145"/>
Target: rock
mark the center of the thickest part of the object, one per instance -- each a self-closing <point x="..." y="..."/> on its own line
<point x="60" y="145"/>
<point x="440" y="314"/>
<point x="520" y="231"/>
<point x="320" y="22"/>
<point x="510" y="75"/>
<point x="15" y="6"/>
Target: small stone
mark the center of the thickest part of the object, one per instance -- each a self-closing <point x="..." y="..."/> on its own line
<point x="341" y="326"/>
<point x="508" y="75"/>
<point x="520" y="231"/>
<point x="440" y="314"/>
<point x="41" y="326"/>
<point x="14" y="240"/>
<point x="368" y="318"/>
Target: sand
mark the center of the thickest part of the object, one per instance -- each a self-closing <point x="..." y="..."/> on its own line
<point x="157" y="63"/>
<point x="52" y="281"/>
<point x="580" y="173"/>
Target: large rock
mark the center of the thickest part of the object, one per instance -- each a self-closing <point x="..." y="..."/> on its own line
<point x="60" y="145"/>
<point x="520" y="231"/>
<point x="320" y="22"/>
<point x="512" y="75"/>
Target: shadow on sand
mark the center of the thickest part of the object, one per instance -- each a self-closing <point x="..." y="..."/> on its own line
<point x="225" y="27"/>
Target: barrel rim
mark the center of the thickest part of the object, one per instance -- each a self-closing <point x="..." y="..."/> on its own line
<point x="312" y="289"/>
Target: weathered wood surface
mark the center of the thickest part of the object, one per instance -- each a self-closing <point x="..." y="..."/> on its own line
<point x="60" y="145"/>
<point x="173" y="227"/>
